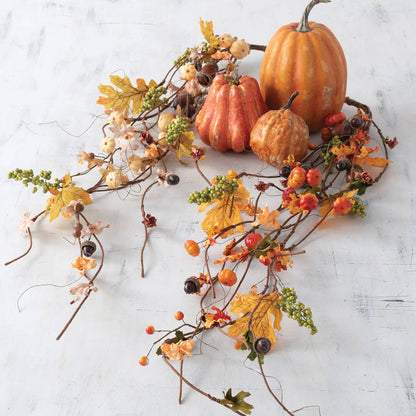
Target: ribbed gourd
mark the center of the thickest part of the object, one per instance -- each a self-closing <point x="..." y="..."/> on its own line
<point x="230" y="111"/>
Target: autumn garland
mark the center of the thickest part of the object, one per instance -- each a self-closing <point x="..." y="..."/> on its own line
<point x="328" y="181"/>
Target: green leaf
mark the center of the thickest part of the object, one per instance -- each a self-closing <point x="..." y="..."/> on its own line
<point x="237" y="402"/>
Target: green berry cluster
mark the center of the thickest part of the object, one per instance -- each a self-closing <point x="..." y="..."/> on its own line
<point x="39" y="181"/>
<point x="183" y="59"/>
<point x="326" y="153"/>
<point x="358" y="208"/>
<point x="223" y="185"/>
<point x="175" y="128"/>
<point x="152" y="98"/>
<point x="295" y="309"/>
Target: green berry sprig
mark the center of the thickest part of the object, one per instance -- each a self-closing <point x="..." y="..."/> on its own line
<point x="223" y="185"/>
<point x="326" y="153"/>
<point x="183" y="59"/>
<point x="358" y="208"/>
<point x="39" y="181"/>
<point x="175" y="128"/>
<point x="296" y="310"/>
<point x="152" y="98"/>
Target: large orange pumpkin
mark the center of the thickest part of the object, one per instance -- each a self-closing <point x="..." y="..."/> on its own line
<point x="230" y="111"/>
<point x="306" y="57"/>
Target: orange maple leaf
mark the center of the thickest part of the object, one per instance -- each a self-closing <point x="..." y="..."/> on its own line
<point x="269" y="219"/>
<point x="257" y="311"/>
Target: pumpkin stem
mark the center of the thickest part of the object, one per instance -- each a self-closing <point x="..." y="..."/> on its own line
<point x="304" y="24"/>
<point x="233" y="78"/>
<point x="290" y="101"/>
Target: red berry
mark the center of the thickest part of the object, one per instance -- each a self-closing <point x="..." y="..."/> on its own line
<point x="150" y="329"/>
<point x="334" y="119"/>
<point x="252" y="240"/>
<point x="267" y="261"/>
<point x="179" y="315"/>
<point x="313" y="177"/>
<point x="143" y="360"/>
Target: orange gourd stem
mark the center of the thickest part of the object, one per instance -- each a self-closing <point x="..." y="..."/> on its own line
<point x="290" y="101"/>
<point x="304" y="23"/>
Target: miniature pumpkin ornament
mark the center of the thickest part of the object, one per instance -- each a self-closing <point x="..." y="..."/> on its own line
<point x="306" y="57"/>
<point x="279" y="134"/>
<point x="231" y="109"/>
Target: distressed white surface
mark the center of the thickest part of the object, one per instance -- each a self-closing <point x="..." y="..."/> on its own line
<point x="358" y="276"/>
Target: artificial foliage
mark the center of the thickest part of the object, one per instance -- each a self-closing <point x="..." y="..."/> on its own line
<point x="147" y="122"/>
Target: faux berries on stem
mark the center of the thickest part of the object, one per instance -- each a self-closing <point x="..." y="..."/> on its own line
<point x="296" y="310"/>
<point x="224" y="185"/>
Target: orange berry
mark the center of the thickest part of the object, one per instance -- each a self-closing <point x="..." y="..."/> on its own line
<point x="252" y="240"/>
<point x="271" y="253"/>
<point x="150" y="329"/>
<point x="179" y="315"/>
<point x="227" y="277"/>
<point x="192" y="248"/>
<point x="265" y="260"/>
<point x="143" y="360"/>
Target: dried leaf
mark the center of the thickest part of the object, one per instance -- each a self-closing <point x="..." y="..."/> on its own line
<point x="184" y="145"/>
<point x="269" y="219"/>
<point x="207" y="30"/>
<point x="64" y="197"/>
<point x="237" y="402"/>
<point x="121" y="100"/>
<point x="261" y="318"/>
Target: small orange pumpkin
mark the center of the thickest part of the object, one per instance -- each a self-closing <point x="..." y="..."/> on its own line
<point x="278" y="134"/>
<point x="230" y="111"/>
<point x="227" y="277"/>
<point x="297" y="177"/>
<point x="306" y="57"/>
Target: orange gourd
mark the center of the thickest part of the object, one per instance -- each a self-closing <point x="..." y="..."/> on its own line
<point x="306" y="57"/>
<point x="230" y="111"/>
<point x="279" y="134"/>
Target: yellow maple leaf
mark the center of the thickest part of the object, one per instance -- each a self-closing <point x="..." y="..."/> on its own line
<point x="269" y="219"/>
<point x="184" y="145"/>
<point x="121" y="99"/>
<point x="226" y="212"/>
<point x="67" y="194"/>
<point x="261" y="318"/>
<point x="207" y="30"/>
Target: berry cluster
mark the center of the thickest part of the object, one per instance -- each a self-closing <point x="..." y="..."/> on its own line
<point x="358" y="208"/>
<point x="326" y="153"/>
<point x="42" y="180"/>
<point x="296" y="310"/>
<point x="152" y="98"/>
<point x="224" y="185"/>
<point x="175" y="128"/>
